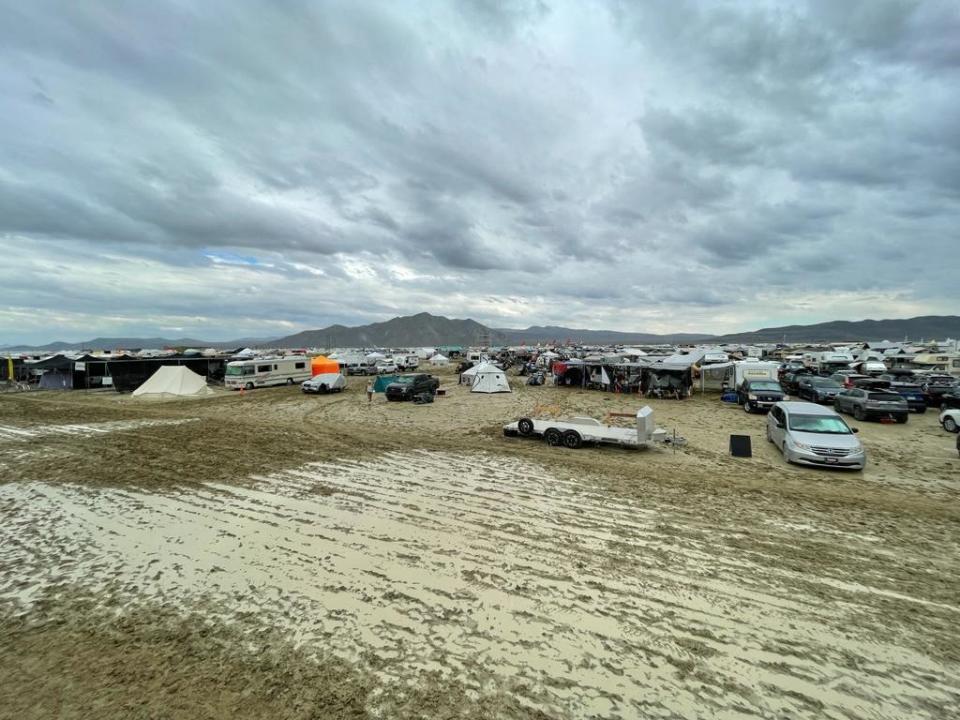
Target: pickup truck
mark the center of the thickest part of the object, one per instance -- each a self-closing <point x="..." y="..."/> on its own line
<point x="759" y="395"/>
<point x="407" y="387"/>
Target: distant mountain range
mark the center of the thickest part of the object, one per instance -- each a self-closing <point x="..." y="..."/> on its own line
<point x="426" y="330"/>
<point x="421" y="330"/>
<point x="129" y="343"/>
<point x="927" y="327"/>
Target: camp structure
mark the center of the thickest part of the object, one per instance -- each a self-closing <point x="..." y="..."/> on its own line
<point x="488" y="378"/>
<point x="321" y="365"/>
<point x="439" y="360"/>
<point x="171" y="381"/>
<point x="380" y="384"/>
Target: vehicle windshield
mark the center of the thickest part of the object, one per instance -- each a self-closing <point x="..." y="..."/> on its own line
<point x="824" y="382"/>
<point x="404" y="380"/>
<point x="825" y="424"/>
<point x="765" y="385"/>
<point x="234" y="369"/>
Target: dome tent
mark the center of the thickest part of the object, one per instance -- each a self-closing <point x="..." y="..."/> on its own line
<point x="488" y="378"/>
<point x="173" y="381"/>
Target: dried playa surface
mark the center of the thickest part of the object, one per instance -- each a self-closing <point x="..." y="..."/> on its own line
<point x="288" y="556"/>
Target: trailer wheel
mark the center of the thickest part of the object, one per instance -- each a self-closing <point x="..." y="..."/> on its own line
<point x="553" y="437"/>
<point x="525" y="426"/>
<point x="289" y="381"/>
<point x="572" y="439"/>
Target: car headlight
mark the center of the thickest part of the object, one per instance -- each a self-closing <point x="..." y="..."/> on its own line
<point x="799" y="445"/>
<point x="751" y="396"/>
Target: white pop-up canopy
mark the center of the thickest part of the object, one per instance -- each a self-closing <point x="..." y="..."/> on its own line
<point x="173" y="381"/>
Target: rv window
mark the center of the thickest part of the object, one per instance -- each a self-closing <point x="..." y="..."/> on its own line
<point x="274" y="367"/>
<point x="300" y="366"/>
<point x="263" y="368"/>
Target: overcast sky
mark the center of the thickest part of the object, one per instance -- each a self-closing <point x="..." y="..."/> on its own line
<point x="240" y="168"/>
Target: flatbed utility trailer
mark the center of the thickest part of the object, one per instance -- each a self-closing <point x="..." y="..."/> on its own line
<point x="573" y="433"/>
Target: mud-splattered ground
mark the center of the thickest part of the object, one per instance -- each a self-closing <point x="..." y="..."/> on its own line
<point x="411" y="556"/>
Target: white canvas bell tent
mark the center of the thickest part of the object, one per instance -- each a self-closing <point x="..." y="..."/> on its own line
<point x="439" y="360"/>
<point x="488" y="378"/>
<point x="173" y="381"/>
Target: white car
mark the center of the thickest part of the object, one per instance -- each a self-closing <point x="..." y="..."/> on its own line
<point x="386" y="368"/>
<point x="950" y="420"/>
<point x="811" y="434"/>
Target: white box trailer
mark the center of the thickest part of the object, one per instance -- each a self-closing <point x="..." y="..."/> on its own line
<point x="576" y="431"/>
<point x="754" y="370"/>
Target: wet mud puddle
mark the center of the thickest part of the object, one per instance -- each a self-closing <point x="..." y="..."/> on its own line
<point x="484" y="568"/>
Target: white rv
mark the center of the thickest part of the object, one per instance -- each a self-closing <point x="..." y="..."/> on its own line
<point x="827" y="363"/>
<point x="266" y="371"/>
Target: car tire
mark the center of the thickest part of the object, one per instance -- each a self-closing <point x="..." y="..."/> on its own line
<point x="289" y="381"/>
<point x="552" y="437"/>
<point x="769" y="438"/>
<point x="950" y="425"/>
<point x="859" y="413"/>
<point x="746" y="407"/>
<point x="902" y="419"/>
<point x="248" y="386"/>
<point x="525" y="426"/>
<point x="572" y="440"/>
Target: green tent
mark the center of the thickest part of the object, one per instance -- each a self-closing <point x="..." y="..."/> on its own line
<point x="380" y="384"/>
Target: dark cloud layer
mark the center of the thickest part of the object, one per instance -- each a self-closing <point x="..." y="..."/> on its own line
<point x="256" y="167"/>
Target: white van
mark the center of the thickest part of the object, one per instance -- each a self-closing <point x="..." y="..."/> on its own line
<point x="266" y="371"/>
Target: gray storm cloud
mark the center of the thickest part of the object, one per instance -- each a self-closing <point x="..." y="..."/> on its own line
<point x="255" y="167"/>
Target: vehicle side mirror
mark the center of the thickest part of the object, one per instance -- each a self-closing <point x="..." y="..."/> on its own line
<point x="854" y="430"/>
<point x="779" y="423"/>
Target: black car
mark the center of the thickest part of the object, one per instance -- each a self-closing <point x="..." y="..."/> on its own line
<point x="789" y="380"/>
<point x="910" y="391"/>
<point x="950" y="400"/>
<point x="936" y="386"/>
<point x="759" y="394"/>
<point x="407" y="387"/>
<point x="818" y="389"/>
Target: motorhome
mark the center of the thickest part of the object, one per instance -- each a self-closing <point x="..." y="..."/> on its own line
<point x="266" y="371"/>
<point x="829" y="362"/>
<point x="939" y="362"/>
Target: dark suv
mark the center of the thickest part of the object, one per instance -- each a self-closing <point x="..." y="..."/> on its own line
<point x="407" y="387"/>
<point x="759" y="394"/>
<point x="790" y="379"/>
<point x="909" y="390"/>
<point x="818" y="389"/>
<point x="950" y="400"/>
<point x="936" y="386"/>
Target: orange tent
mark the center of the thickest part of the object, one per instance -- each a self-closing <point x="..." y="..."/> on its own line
<point x="321" y="365"/>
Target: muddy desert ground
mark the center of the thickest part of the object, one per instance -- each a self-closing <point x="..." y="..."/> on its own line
<point x="276" y="555"/>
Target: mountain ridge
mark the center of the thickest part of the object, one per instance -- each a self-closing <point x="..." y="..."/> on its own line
<point x="425" y="330"/>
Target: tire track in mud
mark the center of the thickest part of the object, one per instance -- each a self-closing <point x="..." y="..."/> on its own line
<point x="474" y="564"/>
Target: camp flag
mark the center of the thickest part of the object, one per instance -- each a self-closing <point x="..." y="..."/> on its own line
<point x="604" y="378"/>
